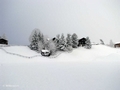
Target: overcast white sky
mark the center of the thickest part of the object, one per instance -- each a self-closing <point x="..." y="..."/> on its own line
<point x="98" y="19"/>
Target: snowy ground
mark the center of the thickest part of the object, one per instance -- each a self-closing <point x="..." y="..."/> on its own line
<point x="83" y="69"/>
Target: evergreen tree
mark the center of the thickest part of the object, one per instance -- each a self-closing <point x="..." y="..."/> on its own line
<point x="58" y="36"/>
<point x="56" y="41"/>
<point x="62" y="40"/>
<point x="34" y="42"/>
<point x="88" y="43"/>
<point x="62" y="43"/>
<point x="102" y="42"/>
<point x="111" y="43"/>
<point x="32" y="33"/>
<point x="74" y="41"/>
<point x="68" y="42"/>
<point x="41" y="38"/>
<point x="37" y="40"/>
<point x="4" y="37"/>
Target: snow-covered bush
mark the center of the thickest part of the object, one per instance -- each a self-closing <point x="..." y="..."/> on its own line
<point x="74" y="41"/>
<point x="88" y="44"/>
<point x="50" y="45"/>
<point x="40" y="46"/>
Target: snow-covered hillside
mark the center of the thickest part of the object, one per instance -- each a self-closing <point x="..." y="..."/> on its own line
<point x="82" y="69"/>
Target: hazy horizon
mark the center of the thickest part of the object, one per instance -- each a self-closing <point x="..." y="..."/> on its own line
<point x="98" y="19"/>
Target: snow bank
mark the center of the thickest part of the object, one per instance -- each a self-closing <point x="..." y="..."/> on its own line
<point x="82" y="69"/>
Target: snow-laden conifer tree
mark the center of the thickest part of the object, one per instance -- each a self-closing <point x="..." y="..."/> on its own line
<point x="57" y="40"/>
<point x="62" y="39"/>
<point x="74" y="41"/>
<point x="62" y="43"/>
<point x="111" y="43"/>
<point x="32" y="33"/>
<point x="58" y="36"/>
<point x="68" y="42"/>
<point x="41" y="38"/>
<point x="88" y="44"/>
<point x="34" y="42"/>
<point x="102" y="42"/>
<point x="4" y="36"/>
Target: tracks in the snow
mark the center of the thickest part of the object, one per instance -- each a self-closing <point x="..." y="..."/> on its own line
<point x="29" y="57"/>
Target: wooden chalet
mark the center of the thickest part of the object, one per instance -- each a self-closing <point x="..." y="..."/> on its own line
<point x="3" y="41"/>
<point x="117" y="45"/>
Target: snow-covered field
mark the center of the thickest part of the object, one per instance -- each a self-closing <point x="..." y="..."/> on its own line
<point x="82" y="69"/>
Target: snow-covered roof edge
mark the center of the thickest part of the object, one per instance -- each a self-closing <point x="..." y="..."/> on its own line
<point x="117" y="43"/>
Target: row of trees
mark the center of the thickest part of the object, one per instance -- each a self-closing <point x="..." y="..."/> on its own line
<point x="70" y="42"/>
<point x="38" y="42"/>
<point x="111" y="44"/>
<point x="66" y="44"/>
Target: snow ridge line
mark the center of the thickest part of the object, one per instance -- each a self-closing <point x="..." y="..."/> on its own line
<point x="29" y="57"/>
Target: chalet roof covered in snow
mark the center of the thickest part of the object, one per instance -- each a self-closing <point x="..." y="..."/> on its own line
<point x="117" y="43"/>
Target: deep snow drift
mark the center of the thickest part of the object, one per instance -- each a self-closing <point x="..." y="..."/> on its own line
<point x="82" y="69"/>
